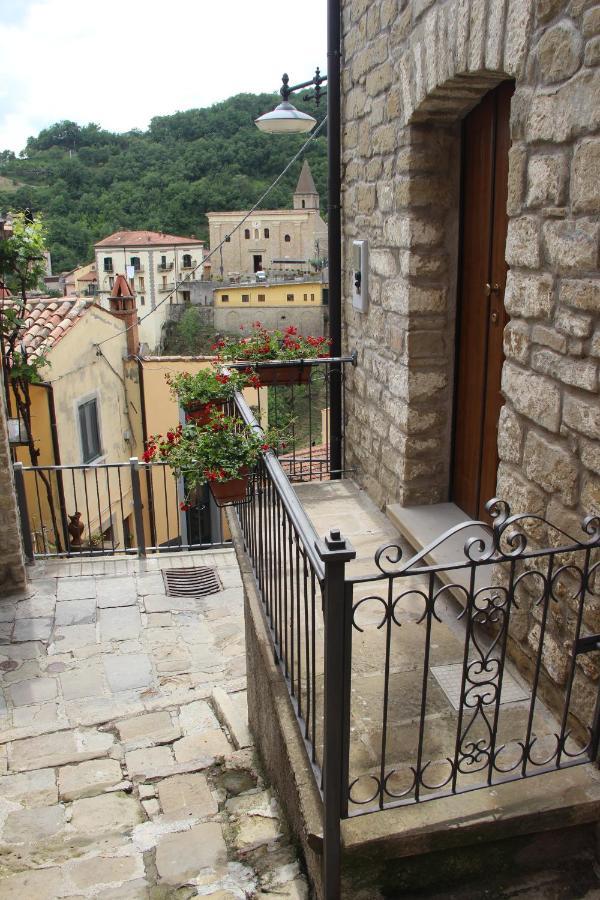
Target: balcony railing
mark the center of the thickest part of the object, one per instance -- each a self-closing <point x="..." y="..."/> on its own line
<point x="131" y="507"/>
<point x="381" y="733"/>
<point x="165" y="267"/>
<point x="167" y="286"/>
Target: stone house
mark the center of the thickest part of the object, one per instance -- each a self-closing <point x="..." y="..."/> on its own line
<point x="271" y="238"/>
<point x="471" y="153"/>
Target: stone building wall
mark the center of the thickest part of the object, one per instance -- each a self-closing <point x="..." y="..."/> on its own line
<point x="411" y="72"/>
<point x="12" y="563"/>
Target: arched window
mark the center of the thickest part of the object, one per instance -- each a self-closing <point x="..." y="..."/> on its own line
<point x="135" y="262"/>
<point x="187" y="261"/>
<point x="287" y="238"/>
<point x="247" y="234"/>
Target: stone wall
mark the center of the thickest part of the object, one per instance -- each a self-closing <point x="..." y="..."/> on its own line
<point x="411" y="72"/>
<point x="12" y="563"/>
<point x="307" y="320"/>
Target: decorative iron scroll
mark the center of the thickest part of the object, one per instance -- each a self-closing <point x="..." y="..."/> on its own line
<point x="502" y="539"/>
<point x="552" y="582"/>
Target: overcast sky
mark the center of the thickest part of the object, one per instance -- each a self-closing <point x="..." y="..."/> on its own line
<point x="120" y="62"/>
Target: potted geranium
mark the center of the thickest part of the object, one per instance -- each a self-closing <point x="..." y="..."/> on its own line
<point x="201" y="393"/>
<point x="223" y="453"/>
<point x="262" y="345"/>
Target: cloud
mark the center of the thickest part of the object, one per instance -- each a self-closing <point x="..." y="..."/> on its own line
<point x="122" y="62"/>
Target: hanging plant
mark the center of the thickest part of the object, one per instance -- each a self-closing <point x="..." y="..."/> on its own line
<point x="208" y="389"/>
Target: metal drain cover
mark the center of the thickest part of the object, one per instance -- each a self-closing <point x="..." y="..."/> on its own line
<point x="449" y="679"/>
<point x="191" y="582"/>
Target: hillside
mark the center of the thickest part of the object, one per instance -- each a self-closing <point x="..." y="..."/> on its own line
<point x="89" y="182"/>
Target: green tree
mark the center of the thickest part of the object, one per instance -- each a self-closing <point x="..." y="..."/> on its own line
<point x="22" y="262"/>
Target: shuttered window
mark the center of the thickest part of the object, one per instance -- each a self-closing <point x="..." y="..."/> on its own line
<point x="90" y="431"/>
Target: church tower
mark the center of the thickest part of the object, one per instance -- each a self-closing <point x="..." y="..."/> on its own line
<point x="306" y="195"/>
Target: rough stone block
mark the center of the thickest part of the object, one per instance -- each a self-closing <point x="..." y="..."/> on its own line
<point x="43" y="884"/>
<point x="32" y="629"/>
<point x="89" y="778"/>
<point x="582" y="415"/>
<point x="34" y="690"/>
<point x="574" y="324"/>
<point x="535" y="396"/>
<point x="590" y="495"/>
<point x="143" y="762"/>
<point x="95" y="871"/>
<point x="72" y="637"/>
<point x="510" y="436"/>
<point x="31" y="788"/>
<point x="572" y="246"/>
<point x="82" y="681"/>
<point x="546" y="180"/>
<point x="119" y="623"/>
<point x="517" y="341"/>
<point x="197" y="717"/>
<point x="579" y="373"/>
<point x="80" y="588"/>
<point x="25" y="826"/>
<point x="581" y="293"/>
<point x="206" y="743"/>
<point x="552" y="466"/>
<point x="181" y="856"/>
<point x="585" y="184"/>
<point x="522" y="243"/>
<point x="57" y="749"/>
<point x="127" y="672"/>
<point x="571" y="110"/>
<point x="559" y="52"/>
<point x="151" y="728"/>
<point x="75" y="612"/>
<point x="186" y="796"/>
<point x="548" y="337"/>
<point x="107" y="813"/>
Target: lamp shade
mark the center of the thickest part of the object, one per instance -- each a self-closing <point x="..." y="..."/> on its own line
<point x="285" y="119"/>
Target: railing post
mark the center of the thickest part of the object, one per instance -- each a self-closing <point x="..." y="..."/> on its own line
<point x="335" y="551"/>
<point x="134" y="465"/>
<point x="23" y="511"/>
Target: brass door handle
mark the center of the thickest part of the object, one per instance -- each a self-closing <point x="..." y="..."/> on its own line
<point x="494" y="317"/>
<point x="491" y="289"/>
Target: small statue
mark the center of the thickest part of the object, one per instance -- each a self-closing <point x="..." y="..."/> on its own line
<point x="76" y="529"/>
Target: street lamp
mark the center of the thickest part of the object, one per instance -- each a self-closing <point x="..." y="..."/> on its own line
<point x="286" y="119"/>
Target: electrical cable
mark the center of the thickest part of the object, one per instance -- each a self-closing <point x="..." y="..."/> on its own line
<point x="263" y="196"/>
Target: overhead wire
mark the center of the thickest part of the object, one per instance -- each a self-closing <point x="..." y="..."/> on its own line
<point x="227" y="237"/>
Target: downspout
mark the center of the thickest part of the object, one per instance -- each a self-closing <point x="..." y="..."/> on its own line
<point x="145" y="438"/>
<point x="56" y="455"/>
<point x="334" y="234"/>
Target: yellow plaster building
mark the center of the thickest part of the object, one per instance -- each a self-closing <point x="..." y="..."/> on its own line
<point x="275" y="305"/>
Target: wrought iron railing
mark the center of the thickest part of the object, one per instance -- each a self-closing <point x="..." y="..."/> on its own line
<point x="426" y="679"/>
<point x="131" y="507"/>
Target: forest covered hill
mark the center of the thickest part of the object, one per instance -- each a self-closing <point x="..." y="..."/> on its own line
<point x="89" y="182"/>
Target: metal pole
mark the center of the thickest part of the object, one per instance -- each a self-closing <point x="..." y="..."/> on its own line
<point x="134" y="465"/>
<point x="335" y="551"/>
<point x="334" y="232"/>
<point x="23" y="511"/>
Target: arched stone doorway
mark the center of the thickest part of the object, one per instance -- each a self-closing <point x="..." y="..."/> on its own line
<point x="480" y="312"/>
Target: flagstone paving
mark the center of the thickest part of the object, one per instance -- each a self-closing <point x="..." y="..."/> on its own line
<point x="126" y="764"/>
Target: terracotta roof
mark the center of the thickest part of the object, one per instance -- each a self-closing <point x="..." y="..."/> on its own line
<point x="4" y="291"/>
<point x="305" y="184"/>
<point x="47" y="321"/>
<point x="91" y="276"/>
<point x="144" y="239"/>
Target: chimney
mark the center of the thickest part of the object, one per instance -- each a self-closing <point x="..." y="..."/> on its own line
<point x="123" y="306"/>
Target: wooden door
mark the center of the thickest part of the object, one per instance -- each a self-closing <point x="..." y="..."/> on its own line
<point x="481" y="316"/>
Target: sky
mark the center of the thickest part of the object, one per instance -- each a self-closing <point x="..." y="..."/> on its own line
<point x="120" y="62"/>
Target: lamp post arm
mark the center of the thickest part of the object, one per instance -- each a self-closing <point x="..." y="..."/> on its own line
<point x="286" y="90"/>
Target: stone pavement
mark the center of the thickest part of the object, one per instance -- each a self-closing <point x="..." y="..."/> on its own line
<point x="126" y="765"/>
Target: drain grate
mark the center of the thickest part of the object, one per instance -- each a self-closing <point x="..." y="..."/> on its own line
<point x="449" y="679"/>
<point x="191" y="582"/>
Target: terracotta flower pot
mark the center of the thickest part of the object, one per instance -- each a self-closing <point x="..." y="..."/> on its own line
<point x="201" y="412"/>
<point x="294" y="373"/>
<point x="232" y="491"/>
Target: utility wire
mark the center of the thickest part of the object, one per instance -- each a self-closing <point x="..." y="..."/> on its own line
<point x="227" y="236"/>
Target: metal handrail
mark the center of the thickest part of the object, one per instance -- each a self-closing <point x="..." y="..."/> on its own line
<point x="305" y="528"/>
<point x="275" y="363"/>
